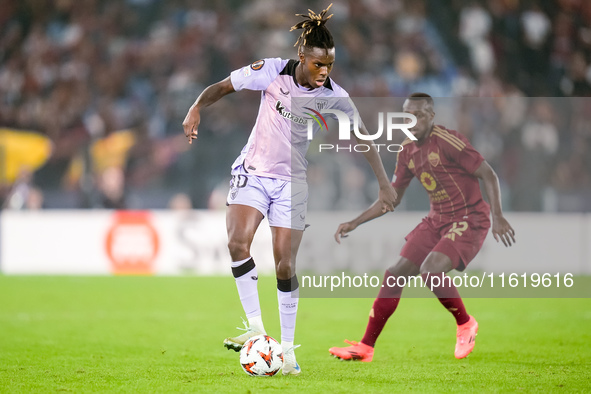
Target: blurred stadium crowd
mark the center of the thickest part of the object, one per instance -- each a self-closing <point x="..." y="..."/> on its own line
<point x="93" y="94"/>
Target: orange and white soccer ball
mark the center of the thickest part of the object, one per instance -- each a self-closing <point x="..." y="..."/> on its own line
<point x="261" y="355"/>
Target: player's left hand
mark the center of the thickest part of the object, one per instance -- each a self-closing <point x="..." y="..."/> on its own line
<point x="502" y="230"/>
<point x="387" y="197"/>
<point x="343" y="230"/>
<point x="191" y="123"/>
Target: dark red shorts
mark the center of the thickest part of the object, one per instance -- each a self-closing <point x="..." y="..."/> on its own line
<point x="459" y="240"/>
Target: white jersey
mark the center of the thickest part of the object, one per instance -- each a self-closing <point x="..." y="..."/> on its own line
<point x="278" y="142"/>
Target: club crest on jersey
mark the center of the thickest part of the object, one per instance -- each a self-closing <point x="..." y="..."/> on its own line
<point x="434" y="159"/>
<point x="321" y="104"/>
<point x="257" y="65"/>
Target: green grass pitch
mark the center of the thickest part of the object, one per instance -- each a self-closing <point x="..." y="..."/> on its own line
<point x="164" y="334"/>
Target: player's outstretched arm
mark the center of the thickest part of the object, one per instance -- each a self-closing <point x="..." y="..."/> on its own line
<point x="387" y="194"/>
<point x="374" y="211"/>
<point x="210" y="95"/>
<point x="501" y="228"/>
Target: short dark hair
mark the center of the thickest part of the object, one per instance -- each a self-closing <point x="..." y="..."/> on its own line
<point x="417" y="96"/>
<point x="315" y="34"/>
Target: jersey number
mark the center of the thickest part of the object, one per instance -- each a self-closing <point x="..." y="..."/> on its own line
<point x="457" y="229"/>
<point x="238" y="181"/>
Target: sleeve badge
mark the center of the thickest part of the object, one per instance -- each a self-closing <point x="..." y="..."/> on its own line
<point x="257" y="65"/>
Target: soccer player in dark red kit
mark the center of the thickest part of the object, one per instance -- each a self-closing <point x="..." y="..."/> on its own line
<point x="448" y="238"/>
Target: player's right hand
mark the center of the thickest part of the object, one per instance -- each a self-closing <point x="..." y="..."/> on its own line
<point x="342" y="231"/>
<point x="191" y="123"/>
<point x="387" y="197"/>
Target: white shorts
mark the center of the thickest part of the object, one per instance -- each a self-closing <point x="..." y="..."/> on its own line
<point x="283" y="202"/>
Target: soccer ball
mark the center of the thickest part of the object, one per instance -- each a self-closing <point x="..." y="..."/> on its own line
<point x="261" y="355"/>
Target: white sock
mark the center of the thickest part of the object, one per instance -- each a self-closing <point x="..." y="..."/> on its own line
<point x="256" y="323"/>
<point x="286" y="345"/>
<point x="249" y="296"/>
<point x="288" y="309"/>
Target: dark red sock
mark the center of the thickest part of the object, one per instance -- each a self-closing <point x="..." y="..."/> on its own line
<point x="383" y="307"/>
<point x="448" y="295"/>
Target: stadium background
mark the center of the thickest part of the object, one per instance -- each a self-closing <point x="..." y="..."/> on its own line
<point x="109" y="83"/>
<point x="92" y="96"/>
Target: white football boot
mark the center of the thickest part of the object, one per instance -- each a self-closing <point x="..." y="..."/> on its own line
<point x="290" y="365"/>
<point x="236" y="343"/>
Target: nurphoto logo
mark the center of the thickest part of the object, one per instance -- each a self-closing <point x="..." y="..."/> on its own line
<point x="408" y="121"/>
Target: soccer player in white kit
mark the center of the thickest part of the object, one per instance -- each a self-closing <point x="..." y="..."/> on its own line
<point x="268" y="178"/>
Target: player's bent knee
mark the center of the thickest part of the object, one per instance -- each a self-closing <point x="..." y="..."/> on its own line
<point x="435" y="263"/>
<point x="431" y="269"/>
<point x="284" y="269"/>
<point x="404" y="267"/>
<point x="239" y="250"/>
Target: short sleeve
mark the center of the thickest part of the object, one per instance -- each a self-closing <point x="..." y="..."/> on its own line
<point x="258" y="75"/>
<point x="346" y="105"/>
<point x="343" y="102"/>
<point x="460" y="151"/>
<point x="402" y="175"/>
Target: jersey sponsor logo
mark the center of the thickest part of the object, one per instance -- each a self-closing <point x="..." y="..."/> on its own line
<point x="280" y="108"/>
<point x="411" y="164"/>
<point x="438" y="196"/>
<point x="428" y="181"/>
<point x="434" y="159"/>
<point x="257" y="65"/>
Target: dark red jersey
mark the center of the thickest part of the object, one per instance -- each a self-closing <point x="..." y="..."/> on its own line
<point x="444" y="164"/>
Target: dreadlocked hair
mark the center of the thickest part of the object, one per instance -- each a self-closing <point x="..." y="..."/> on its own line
<point x="315" y="34"/>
